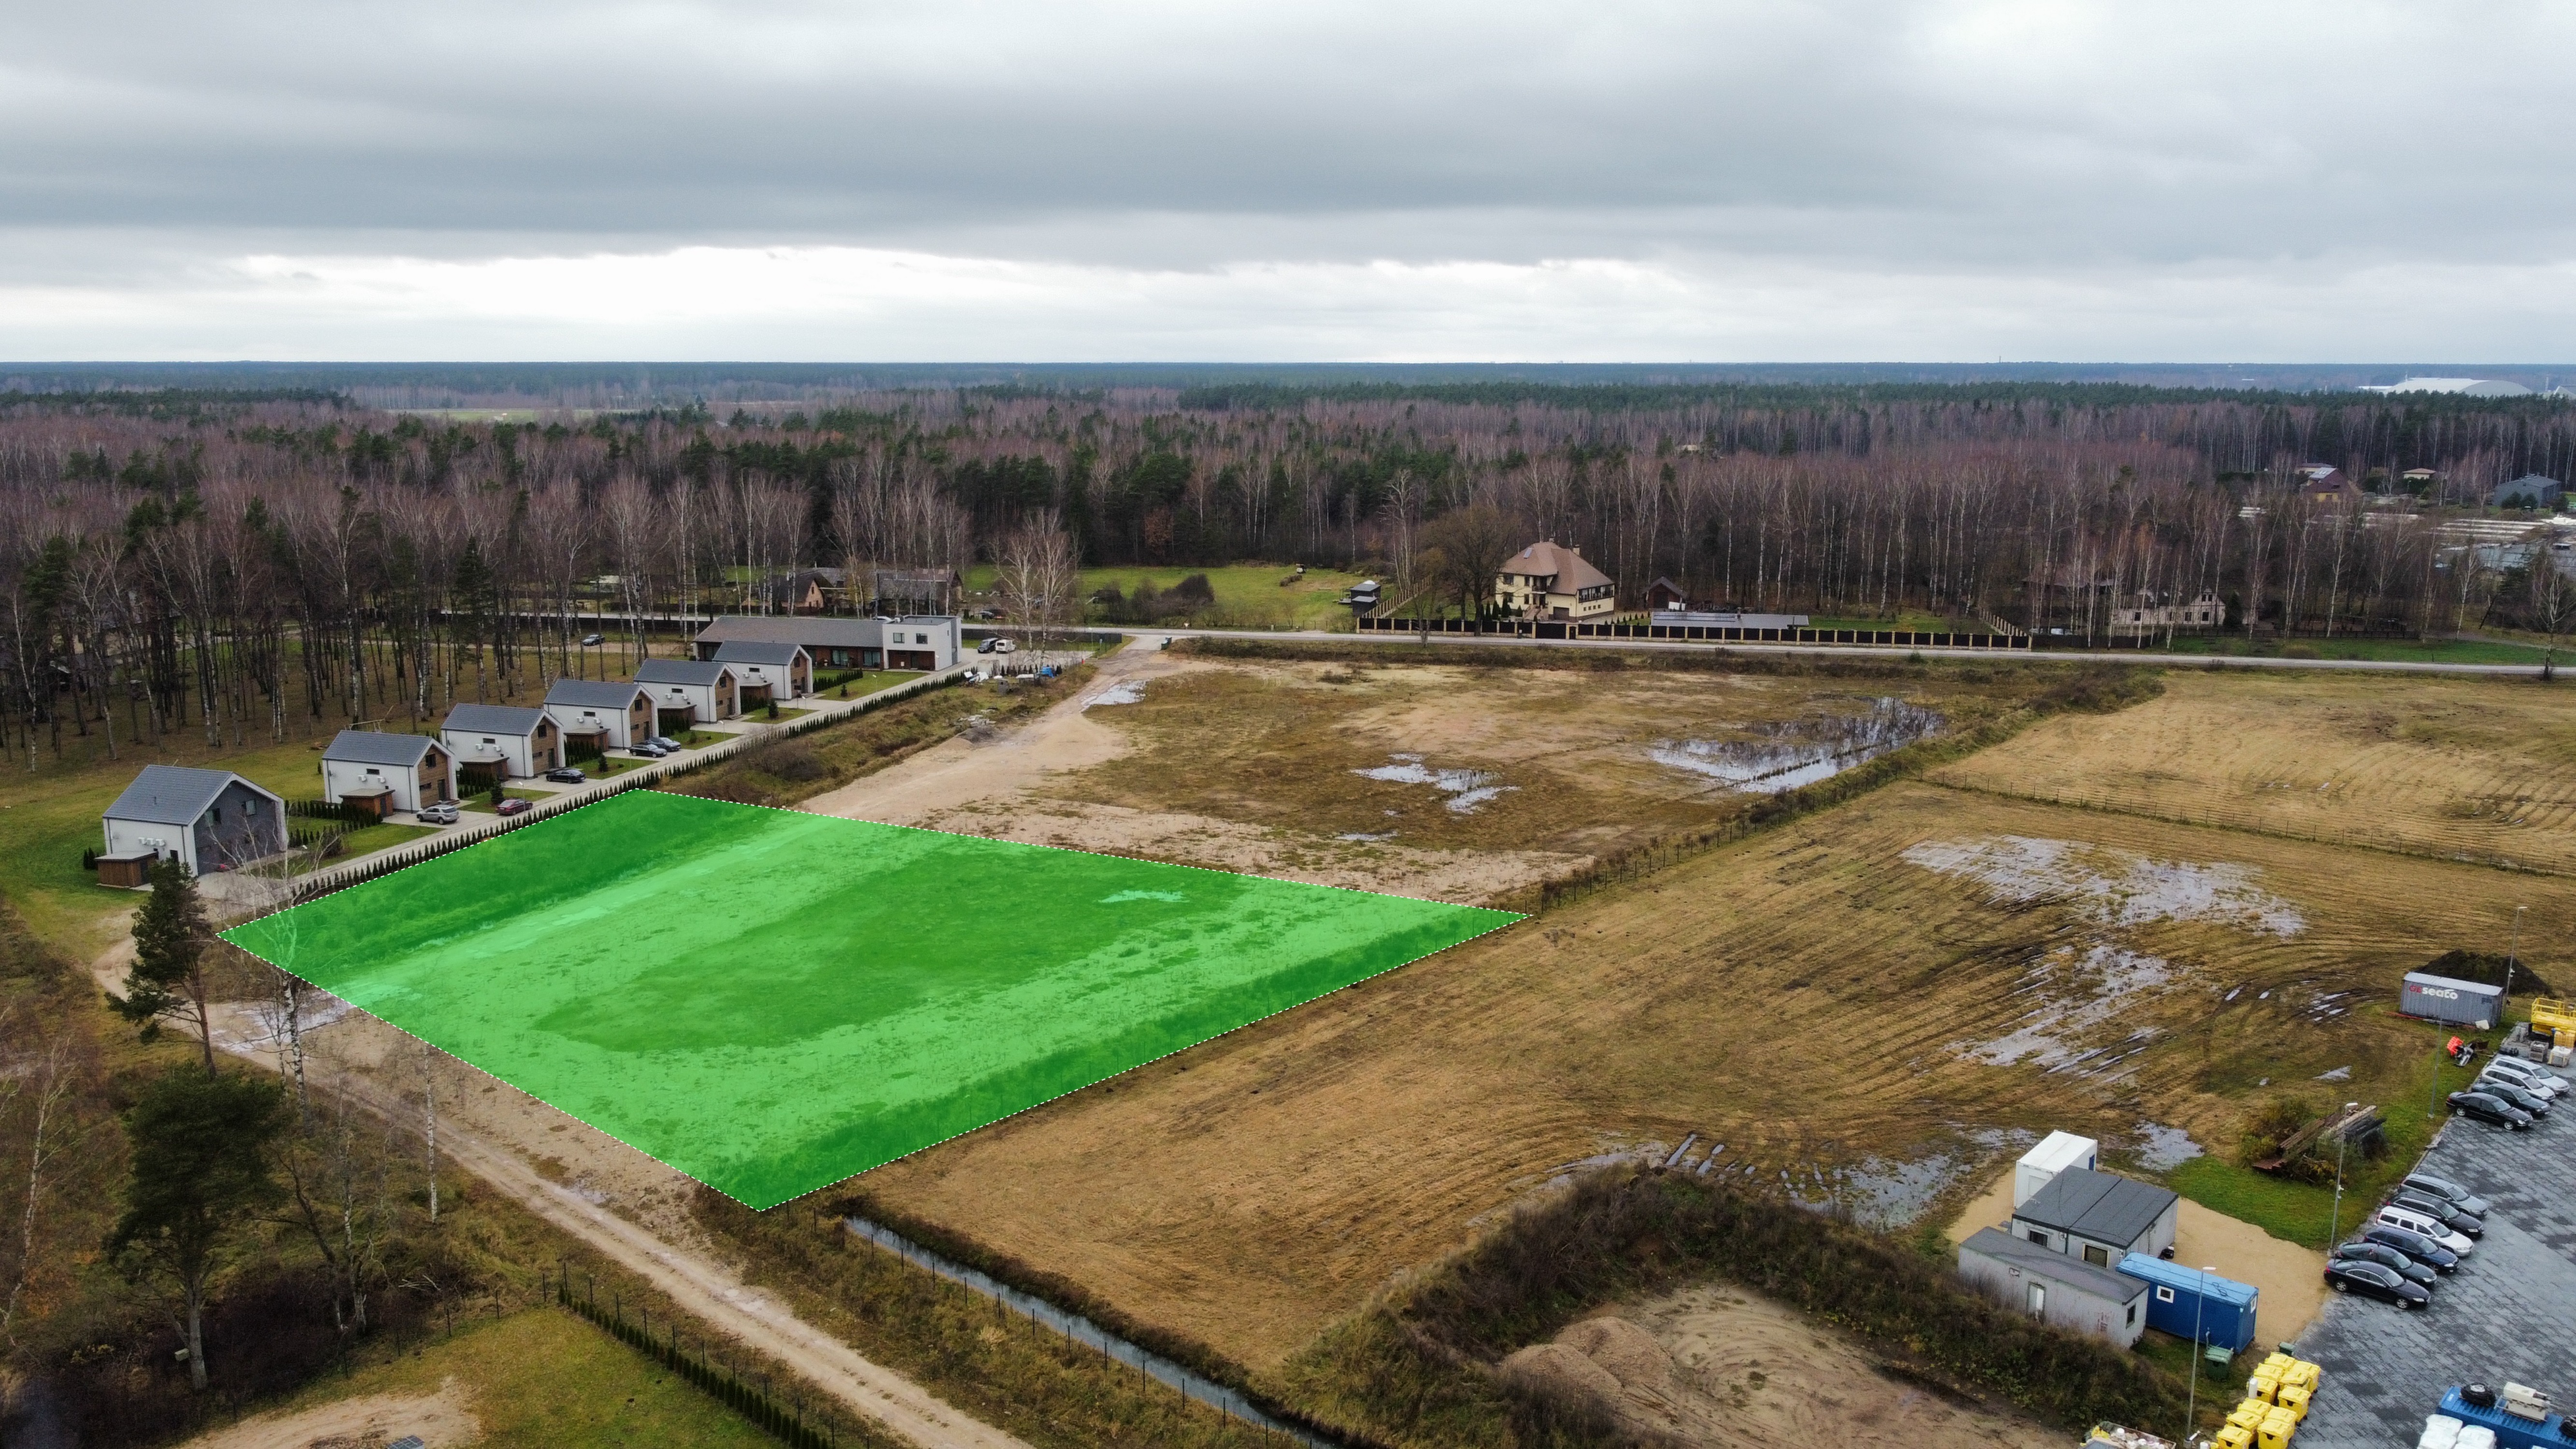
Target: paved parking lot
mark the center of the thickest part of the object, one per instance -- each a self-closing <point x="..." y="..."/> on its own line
<point x="2508" y="1313"/>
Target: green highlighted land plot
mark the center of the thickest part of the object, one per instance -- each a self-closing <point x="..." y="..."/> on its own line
<point x="771" y="1001"/>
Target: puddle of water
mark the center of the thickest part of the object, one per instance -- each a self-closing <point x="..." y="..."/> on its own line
<point x="1466" y="789"/>
<point x="1083" y="1331"/>
<point x="1126" y="692"/>
<point x="1884" y="1194"/>
<point x="1799" y="752"/>
<point x="2162" y="1149"/>
<point x="2113" y="887"/>
<point x="2075" y="994"/>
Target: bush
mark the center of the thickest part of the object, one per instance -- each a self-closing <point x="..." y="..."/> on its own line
<point x="2270" y="1123"/>
<point x="1196" y="589"/>
<point x="1420" y="1363"/>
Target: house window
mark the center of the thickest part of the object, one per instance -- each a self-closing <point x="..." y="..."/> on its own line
<point x="2098" y="1257"/>
<point x="2039" y="1238"/>
<point x="2038" y="1299"/>
<point x="2133" y="1315"/>
<point x="2164" y="1295"/>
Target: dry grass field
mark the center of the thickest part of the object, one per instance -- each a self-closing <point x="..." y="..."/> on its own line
<point x="2464" y="769"/>
<point x="1458" y="757"/>
<point x="1902" y="979"/>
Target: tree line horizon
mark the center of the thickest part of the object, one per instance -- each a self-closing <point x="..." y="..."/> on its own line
<point x="203" y="557"/>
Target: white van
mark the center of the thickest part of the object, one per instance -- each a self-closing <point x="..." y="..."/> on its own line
<point x="2415" y="1222"/>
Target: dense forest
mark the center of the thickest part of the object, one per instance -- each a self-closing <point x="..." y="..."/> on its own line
<point x="172" y="557"/>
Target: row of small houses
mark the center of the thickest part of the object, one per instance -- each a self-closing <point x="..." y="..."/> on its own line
<point x="211" y="820"/>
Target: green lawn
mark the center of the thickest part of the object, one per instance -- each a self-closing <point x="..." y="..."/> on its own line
<point x="544" y="1379"/>
<point x="855" y="683"/>
<point x="2433" y="651"/>
<point x="787" y="999"/>
<point x="368" y="839"/>
<point x="1248" y="596"/>
<point x="2299" y="1212"/>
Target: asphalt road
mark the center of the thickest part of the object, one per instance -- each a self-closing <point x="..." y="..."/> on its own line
<point x="1471" y="641"/>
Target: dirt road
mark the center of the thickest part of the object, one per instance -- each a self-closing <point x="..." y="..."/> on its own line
<point x="440" y="1420"/>
<point x="695" y="1281"/>
<point x="960" y="772"/>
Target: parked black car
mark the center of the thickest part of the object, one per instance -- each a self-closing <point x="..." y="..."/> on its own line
<point x="2414" y="1245"/>
<point x="2490" y="1109"/>
<point x="566" y="776"/>
<point x="2457" y="1196"/>
<point x="2370" y="1280"/>
<point x="2385" y="1256"/>
<point x="2467" y="1225"/>
<point x="2531" y="1102"/>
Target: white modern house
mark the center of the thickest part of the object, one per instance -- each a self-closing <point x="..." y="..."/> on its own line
<point x="608" y="713"/>
<point x="207" y="820"/>
<point x="765" y="671"/>
<point x="506" y="740"/>
<point x="914" y="641"/>
<point x="384" y="773"/>
<point x="690" y="691"/>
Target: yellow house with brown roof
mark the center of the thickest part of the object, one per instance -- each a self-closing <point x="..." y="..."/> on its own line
<point x="1550" y="580"/>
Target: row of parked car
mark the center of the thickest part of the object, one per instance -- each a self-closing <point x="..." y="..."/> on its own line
<point x="2422" y="1232"/>
<point x="2511" y="1093"/>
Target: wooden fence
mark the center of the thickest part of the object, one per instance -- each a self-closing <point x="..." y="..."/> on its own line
<point x="1689" y="633"/>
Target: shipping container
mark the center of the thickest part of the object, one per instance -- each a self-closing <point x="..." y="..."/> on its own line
<point x="2055" y="1153"/>
<point x="2453" y="1003"/>
<point x="2182" y="1301"/>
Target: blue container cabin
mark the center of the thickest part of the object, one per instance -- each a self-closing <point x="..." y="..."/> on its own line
<point x="2180" y="1299"/>
<point x="2511" y="1431"/>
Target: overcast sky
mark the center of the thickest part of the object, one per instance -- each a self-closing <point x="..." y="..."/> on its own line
<point x="1323" y="181"/>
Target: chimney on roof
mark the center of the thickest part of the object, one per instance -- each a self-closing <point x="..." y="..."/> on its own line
<point x="1576" y="550"/>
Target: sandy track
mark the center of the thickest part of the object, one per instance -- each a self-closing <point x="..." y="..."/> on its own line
<point x="441" y="1420"/>
<point x="959" y="772"/>
<point x="1717" y="1366"/>
<point x="695" y="1280"/>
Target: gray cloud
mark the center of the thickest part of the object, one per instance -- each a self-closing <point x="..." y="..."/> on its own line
<point x="2075" y="144"/>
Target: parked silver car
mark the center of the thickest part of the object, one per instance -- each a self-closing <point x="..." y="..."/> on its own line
<point x="441" y="813"/>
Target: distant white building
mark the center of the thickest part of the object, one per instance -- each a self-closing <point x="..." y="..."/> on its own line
<point x="2455" y="386"/>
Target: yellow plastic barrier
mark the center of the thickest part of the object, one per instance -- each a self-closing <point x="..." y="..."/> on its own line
<point x="2250" y="1415"/>
<point x="2234" y="1436"/>
<point x="2302" y="1374"/>
<point x="2295" y="1399"/>
<point x="2276" y="1430"/>
<point x="2264" y="1386"/>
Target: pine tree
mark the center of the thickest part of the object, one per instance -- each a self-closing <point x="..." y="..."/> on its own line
<point x="168" y="978"/>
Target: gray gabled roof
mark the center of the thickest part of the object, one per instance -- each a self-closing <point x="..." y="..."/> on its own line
<point x="494" y="719"/>
<point x="2063" y="1268"/>
<point x="2096" y="1205"/>
<point x="679" y="671"/>
<point x="812" y="631"/>
<point x="597" y="693"/>
<point x="367" y="747"/>
<point x="756" y="651"/>
<point x="173" y="794"/>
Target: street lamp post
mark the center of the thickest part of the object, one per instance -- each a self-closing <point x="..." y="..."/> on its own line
<point x="2343" y="1139"/>
<point x="2191" y="1401"/>
<point x="2510" y="952"/>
